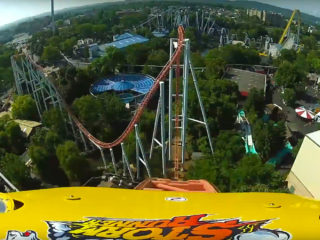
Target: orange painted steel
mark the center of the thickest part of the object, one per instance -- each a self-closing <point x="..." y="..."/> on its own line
<point x="161" y="77"/>
<point x="161" y="184"/>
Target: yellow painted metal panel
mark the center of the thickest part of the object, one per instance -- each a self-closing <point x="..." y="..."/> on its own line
<point x="105" y="213"/>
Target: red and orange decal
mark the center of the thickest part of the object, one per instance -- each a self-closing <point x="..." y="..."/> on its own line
<point x="184" y="227"/>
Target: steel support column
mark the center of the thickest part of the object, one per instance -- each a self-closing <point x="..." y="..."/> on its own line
<point x="163" y="136"/>
<point x="195" y="82"/>
<point x="126" y="163"/>
<point x="170" y="105"/>
<point x="185" y="98"/>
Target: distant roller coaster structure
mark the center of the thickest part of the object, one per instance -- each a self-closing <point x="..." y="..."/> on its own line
<point x="201" y="19"/>
<point x="30" y="79"/>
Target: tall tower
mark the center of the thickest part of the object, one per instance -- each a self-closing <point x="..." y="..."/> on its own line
<point x="52" y="17"/>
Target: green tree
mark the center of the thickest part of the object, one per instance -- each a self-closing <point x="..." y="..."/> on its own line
<point x="190" y="34"/>
<point x="67" y="46"/>
<point x="16" y="171"/>
<point x="115" y="58"/>
<point x="54" y="119"/>
<point x="42" y="151"/>
<point x="75" y="83"/>
<point x="290" y="76"/>
<point x="100" y="31"/>
<point x="309" y="43"/>
<point x="59" y="23"/>
<point x="159" y="57"/>
<point x="15" y="137"/>
<point x="105" y="117"/>
<point x="127" y="21"/>
<point x="276" y="34"/>
<point x="54" y="41"/>
<point x="72" y="162"/>
<point x="255" y="102"/>
<point x="50" y="54"/>
<point x="287" y="55"/>
<point x="251" y="172"/>
<point x="220" y="100"/>
<point x="215" y="67"/>
<point x="12" y="139"/>
<point x="137" y="54"/>
<point x="269" y="138"/>
<point x="145" y="31"/>
<point x="313" y="59"/>
<point x="146" y="123"/>
<point x="85" y="30"/>
<point x="87" y="108"/>
<point x="217" y="169"/>
<point x="290" y="97"/>
<point x="24" y="107"/>
<point x="297" y="148"/>
<point x="233" y="54"/>
<point x="197" y="60"/>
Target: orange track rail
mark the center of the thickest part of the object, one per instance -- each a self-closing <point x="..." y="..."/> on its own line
<point x="161" y="77"/>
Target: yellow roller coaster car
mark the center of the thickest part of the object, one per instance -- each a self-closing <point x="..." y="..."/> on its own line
<point x="106" y="213"/>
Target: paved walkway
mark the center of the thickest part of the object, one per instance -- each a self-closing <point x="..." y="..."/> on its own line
<point x="302" y="125"/>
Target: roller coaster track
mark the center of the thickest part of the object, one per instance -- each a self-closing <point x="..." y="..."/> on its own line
<point x="161" y="77"/>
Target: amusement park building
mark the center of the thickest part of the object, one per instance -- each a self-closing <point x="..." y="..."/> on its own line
<point x="304" y="178"/>
<point x="120" y="41"/>
<point x="246" y="80"/>
<point x="275" y="19"/>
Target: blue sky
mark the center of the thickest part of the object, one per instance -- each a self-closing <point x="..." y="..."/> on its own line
<point x="12" y="10"/>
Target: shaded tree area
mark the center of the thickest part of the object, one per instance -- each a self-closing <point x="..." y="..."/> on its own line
<point x="73" y="83"/>
<point x="110" y="63"/>
<point x="310" y="43"/>
<point x="313" y="61"/>
<point x="296" y="149"/>
<point x="233" y="54"/>
<point x="17" y="172"/>
<point x="12" y="139"/>
<point x="50" y="55"/>
<point x="220" y="101"/>
<point x="43" y="145"/>
<point x="254" y="104"/>
<point x="42" y="151"/>
<point x="231" y="170"/>
<point x="292" y="76"/>
<point x="252" y="175"/>
<point x="6" y="75"/>
<point x="290" y="97"/>
<point x="74" y="164"/>
<point x="275" y="34"/>
<point x="127" y="21"/>
<point x="286" y="56"/>
<point x="24" y="107"/>
<point x="269" y="138"/>
<point x="217" y="58"/>
<point x="13" y="144"/>
<point x="156" y="57"/>
<point x="54" y="119"/>
<point x="104" y="116"/>
<point x="249" y="25"/>
<point x="67" y="46"/>
<point x="57" y="160"/>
